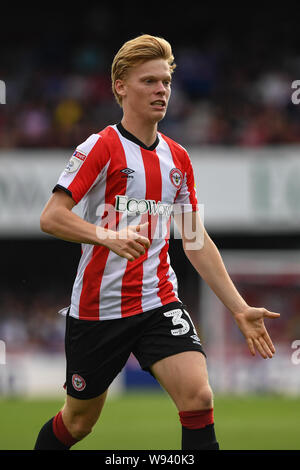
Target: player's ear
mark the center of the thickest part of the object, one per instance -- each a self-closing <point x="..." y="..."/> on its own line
<point x="120" y="87"/>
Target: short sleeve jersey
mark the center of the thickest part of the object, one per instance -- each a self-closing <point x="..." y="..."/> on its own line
<point x="122" y="182"/>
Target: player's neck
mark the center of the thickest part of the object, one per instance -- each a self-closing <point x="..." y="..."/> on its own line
<point x="145" y="132"/>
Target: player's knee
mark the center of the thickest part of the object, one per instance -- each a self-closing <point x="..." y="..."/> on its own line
<point x="198" y="398"/>
<point x="78" y="425"/>
<point x="206" y="397"/>
<point x="80" y="416"/>
<point x="79" y="428"/>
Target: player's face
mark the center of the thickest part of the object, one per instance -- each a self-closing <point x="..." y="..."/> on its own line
<point x="146" y="90"/>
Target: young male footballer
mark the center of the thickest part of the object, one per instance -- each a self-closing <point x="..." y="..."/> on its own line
<point x="124" y="299"/>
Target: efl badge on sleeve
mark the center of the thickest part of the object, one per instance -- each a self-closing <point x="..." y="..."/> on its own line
<point x="74" y="163"/>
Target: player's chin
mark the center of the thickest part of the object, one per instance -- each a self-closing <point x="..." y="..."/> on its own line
<point x="159" y="114"/>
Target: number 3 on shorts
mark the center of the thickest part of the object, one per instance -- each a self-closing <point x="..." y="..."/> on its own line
<point x="178" y="320"/>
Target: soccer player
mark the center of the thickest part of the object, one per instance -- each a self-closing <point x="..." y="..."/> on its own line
<point x="124" y="299"/>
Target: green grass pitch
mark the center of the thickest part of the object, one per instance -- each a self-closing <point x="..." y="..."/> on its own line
<point x="149" y="421"/>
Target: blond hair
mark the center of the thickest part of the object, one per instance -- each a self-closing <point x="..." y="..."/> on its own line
<point x="137" y="51"/>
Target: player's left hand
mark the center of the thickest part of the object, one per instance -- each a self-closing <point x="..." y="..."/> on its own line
<point x="251" y="324"/>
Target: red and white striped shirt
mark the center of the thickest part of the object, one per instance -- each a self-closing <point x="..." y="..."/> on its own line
<point x="122" y="182"/>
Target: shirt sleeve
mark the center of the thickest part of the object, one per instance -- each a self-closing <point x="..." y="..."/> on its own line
<point x="186" y="199"/>
<point x="83" y="168"/>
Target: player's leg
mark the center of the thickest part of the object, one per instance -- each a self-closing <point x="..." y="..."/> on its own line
<point x="79" y="416"/>
<point x="71" y="424"/>
<point x="184" y="376"/>
<point x="171" y="350"/>
<point x="95" y="354"/>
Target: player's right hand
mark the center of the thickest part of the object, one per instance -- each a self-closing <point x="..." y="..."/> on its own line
<point x="128" y="243"/>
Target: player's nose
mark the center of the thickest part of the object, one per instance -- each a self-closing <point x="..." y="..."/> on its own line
<point x="160" y="88"/>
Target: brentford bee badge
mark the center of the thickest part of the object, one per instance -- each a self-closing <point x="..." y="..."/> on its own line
<point x="78" y="382"/>
<point x="176" y="178"/>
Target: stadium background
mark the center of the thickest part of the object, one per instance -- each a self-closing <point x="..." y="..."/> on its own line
<point x="231" y="107"/>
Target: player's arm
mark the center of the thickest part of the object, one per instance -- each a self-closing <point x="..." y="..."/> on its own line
<point x="206" y="259"/>
<point x="58" y="220"/>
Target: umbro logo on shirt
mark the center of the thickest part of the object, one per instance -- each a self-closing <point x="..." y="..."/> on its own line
<point x="127" y="173"/>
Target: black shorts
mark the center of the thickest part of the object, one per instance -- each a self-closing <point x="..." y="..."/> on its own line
<point x="96" y="351"/>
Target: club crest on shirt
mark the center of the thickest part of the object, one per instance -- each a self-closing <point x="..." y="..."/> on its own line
<point x="78" y="382"/>
<point x="75" y="161"/>
<point x="176" y="178"/>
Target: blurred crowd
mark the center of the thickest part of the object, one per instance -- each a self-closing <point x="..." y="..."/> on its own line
<point x="223" y="94"/>
<point x="32" y="323"/>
